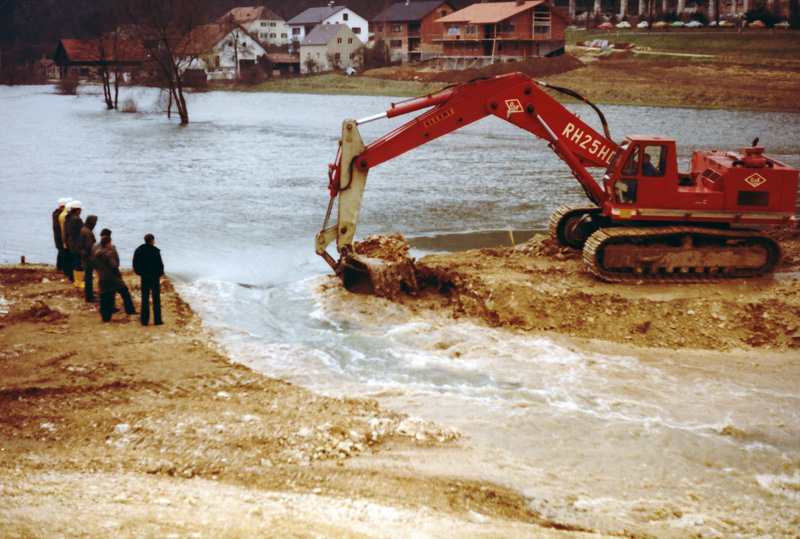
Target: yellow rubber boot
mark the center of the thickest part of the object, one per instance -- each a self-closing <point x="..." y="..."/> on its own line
<point x="79" y="282"/>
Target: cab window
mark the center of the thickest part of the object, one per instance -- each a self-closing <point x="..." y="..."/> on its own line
<point x="654" y="160"/>
<point x="631" y="167"/>
<point x="625" y="191"/>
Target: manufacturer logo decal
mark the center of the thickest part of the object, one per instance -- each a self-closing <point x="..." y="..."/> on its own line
<point x="439" y="117"/>
<point x="755" y="180"/>
<point x="513" y="105"/>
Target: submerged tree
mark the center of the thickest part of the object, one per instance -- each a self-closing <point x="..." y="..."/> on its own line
<point x="164" y="29"/>
<point x="101" y="26"/>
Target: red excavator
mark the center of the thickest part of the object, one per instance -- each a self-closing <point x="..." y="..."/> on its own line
<point x="646" y="220"/>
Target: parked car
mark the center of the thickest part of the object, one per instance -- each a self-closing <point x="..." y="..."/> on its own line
<point x="660" y="24"/>
<point x="757" y="24"/>
<point x="726" y="24"/>
<point x="642" y="24"/>
<point x="783" y="24"/>
<point x="606" y="26"/>
<point x="677" y="24"/>
<point x="624" y="24"/>
<point x="694" y="24"/>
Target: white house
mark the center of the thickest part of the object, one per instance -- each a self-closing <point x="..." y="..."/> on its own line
<point x="302" y="25"/>
<point x="328" y="47"/>
<point x="223" y="50"/>
<point x="261" y="22"/>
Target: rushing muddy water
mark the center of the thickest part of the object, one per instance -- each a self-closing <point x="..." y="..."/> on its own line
<point x="605" y="439"/>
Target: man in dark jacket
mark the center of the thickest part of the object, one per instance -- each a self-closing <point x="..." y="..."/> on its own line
<point x="85" y="243"/>
<point x="148" y="265"/>
<point x="109" y="279"/>
<point x="72" y="229"/>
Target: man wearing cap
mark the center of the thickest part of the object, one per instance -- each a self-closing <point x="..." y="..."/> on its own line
<point x="147" y="264"/>
<point x="57" y="236"/>
<point x="109" y="279"/>
<point x="72" y="230"/>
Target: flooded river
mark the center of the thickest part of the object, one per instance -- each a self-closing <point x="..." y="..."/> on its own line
<point x="617" y="441"/>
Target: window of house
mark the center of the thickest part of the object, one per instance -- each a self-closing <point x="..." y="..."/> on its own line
<point x="453" y="30"/>
<point x="397" y="28"/>
<point x="272" y="24"/>
<point x="444" y="13"/>
<point x="356" y="30"/>
<point x="541" y="22"/>
<point x="295" y="31"/>
<point x="345" y="16"/>
<point x="263" y="23"/>
<point x="349" y="40"/>
<point x="352" y="56"/>
<point x="339" y="40"/>
<point x="507" y="27"/>
<point x="471" y="30"/>
<point x="337" y="55"/>
<point x="272" y="35"/>
<point x="396" y="44"/>
<point x="284" y="36"/>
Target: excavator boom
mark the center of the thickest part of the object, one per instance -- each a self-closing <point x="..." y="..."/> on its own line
<point x="515" y="98"/>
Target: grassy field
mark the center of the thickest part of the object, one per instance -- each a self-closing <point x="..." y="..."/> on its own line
<point x="748" y="47"/>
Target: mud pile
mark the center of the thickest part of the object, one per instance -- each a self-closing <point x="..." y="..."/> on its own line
<point x="542" y="287"/>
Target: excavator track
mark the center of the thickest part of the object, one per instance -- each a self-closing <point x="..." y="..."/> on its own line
<point x="679" y="254"/>
<point x="563" y="223"/>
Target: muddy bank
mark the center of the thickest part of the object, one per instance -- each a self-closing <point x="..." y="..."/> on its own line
<point x="541" y="287"/>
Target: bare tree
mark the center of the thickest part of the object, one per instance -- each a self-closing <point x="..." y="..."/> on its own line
<point x="101" y="26"/>
<point x="164" y="28"/>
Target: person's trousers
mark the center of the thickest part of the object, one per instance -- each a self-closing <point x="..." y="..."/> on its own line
<point x="88" y="290"/>
<point x="151" y="285"/>
<point x="64" y="262"/>
<point x="107" y="302"/>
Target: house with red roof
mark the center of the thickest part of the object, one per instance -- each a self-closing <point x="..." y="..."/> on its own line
<point x="83" y="57"/>
<point x="486" y="33"/>
<point x="223" y="51"/>
<point x="262" y="23"/>
<point x="410" y="31"/>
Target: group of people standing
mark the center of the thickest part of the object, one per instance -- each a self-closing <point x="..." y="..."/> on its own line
<point x="80" y="255"/>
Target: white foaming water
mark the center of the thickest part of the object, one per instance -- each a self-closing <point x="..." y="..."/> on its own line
<point x="601" y="440"/>
<point x="630" y="442"/>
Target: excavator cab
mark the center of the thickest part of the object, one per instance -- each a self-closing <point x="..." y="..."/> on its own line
<point x="643" y="170"/>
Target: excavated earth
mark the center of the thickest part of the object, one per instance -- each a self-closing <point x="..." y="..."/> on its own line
<point x="542" y="287"/>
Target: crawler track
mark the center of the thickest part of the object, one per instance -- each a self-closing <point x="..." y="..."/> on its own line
<point x="679" y="254"/>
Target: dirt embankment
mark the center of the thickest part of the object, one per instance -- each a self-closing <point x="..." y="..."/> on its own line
<point x="541" y="287"/>
<point x="621" y="79"/>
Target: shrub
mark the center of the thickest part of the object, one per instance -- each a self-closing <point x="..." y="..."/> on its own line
<point x="67" y="86"/>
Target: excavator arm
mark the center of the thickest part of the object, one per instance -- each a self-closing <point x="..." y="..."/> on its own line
<point x="515" y="98"/>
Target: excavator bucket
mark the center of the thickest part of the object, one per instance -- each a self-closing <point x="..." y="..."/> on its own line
<point x="380" y="266"/>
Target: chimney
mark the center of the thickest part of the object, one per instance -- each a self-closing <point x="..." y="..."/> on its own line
<point x="520" y="2"/>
